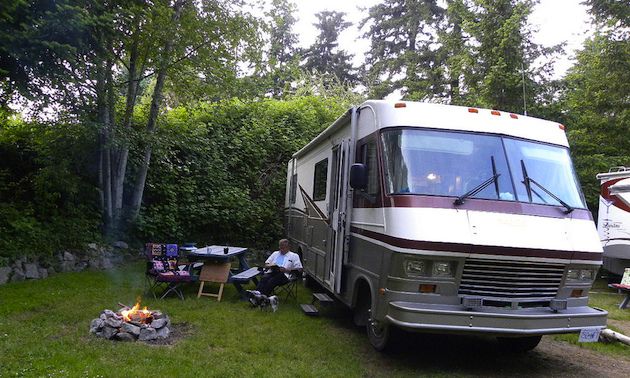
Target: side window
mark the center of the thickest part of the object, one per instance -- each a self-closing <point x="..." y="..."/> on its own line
<point x="319" y="185"/>
<point x="293" y="189"/>
<point x="368" y="157"/>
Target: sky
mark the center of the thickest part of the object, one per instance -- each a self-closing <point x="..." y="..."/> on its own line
<point x="557" y="21"/>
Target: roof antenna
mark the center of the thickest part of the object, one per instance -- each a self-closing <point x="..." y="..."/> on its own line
<point x="524" y="98"/>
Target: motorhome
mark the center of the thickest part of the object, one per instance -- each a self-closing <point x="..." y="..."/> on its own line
<point x="613" y="220"/>
<point x="446" y="219"/>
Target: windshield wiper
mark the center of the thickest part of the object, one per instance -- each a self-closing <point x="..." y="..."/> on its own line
<point x="528" y="181"/>
<point x="483" y="185"/>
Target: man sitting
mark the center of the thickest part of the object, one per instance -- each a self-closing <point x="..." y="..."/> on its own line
<point x="279" y="268"/>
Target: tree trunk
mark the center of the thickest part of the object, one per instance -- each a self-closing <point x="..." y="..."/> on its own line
<point x="104" y="117"/>
<point x="121" y="157"/>
<point x="156" y="103"/>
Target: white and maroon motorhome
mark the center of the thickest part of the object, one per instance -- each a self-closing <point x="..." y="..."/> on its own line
<point x="613" y="221"/>
<point x="448" y="219"/>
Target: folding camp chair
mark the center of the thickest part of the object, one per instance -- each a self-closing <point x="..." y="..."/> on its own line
<point x="164" y="270"/>
<point x="289" y="289"/>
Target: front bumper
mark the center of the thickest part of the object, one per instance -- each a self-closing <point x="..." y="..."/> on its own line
<point x="420" y="317"/>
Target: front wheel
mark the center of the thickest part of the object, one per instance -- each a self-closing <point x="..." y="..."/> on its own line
<point x="379" y="333"/>
<point x="519" y="344"/>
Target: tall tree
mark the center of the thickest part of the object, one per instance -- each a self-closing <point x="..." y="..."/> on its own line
<point x="324" y="56"/>
<point x="283" y="54"/>
<point x="596" y="97"/>
<point x="504" y="52"/>
<point x="615" y="12"/>
<point x="402" y="33"/>
<point x="475" y="52"/>
<point x="107" y="56"/>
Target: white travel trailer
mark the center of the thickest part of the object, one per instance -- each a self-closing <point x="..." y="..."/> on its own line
<point x="613" y="221"/>
<point x="446" y="219"/>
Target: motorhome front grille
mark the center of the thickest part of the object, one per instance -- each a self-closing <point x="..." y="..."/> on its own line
<point x="511" y="283"/>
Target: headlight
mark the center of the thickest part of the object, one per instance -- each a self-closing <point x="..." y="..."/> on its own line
<point x="587" y="275"/>
<point x="415" y="267"/>
<point x="442" y="268"/>
<point x="581" y="275"/>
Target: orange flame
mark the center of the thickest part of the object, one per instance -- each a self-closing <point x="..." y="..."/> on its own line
<point x="136" y="314"/>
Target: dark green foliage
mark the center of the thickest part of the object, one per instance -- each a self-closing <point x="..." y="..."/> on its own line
<point x="219" y="172"/>
<point x="325" y="57"/>
<point x="597" y="102"/>
<point x="47" y="199"/>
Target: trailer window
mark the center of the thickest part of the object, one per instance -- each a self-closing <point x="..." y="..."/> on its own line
<point x="320" y="179"/>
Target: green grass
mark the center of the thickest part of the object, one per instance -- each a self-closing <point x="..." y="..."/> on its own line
<point x="608" y="299"/>
<point x="44" y="332"/>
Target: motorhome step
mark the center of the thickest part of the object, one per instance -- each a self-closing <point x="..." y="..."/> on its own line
<point x="323" y="298"/>
<point x="310" y="309"/>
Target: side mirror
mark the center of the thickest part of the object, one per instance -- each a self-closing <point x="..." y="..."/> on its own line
<point x="358" y="176"/>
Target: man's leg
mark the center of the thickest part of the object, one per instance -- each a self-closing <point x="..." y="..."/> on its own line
<point x="263" y="281"/>
<point x="276" y="280"/>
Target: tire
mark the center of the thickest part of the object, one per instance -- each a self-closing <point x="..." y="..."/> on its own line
<point x="519" y="344"/>
<point x="379" y="334"/>
<point x="362" y="311"/>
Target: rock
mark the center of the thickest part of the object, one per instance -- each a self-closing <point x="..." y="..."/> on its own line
<point x="124" y="336"/>
<point x="43" y="272"/>
<point x="148" y="334"/>
<point x="94" y="264"/>
<point x="67" y="256"/>
<point x="112" y="322"/>
<point x="162" y="333"/>
<point x="109" y="332"/>
<point x="96" y="325"/>
<point x="31" y="271"/>
<point x="130" y="328"/>
<point x="67" y="266"/>
<point x="107" y="263"/>
<point x="159" y="323"/>
<point x="121" y="244"/>
<point x="93" y="246"/>
<point x="18" y="275"/>
<point x="81" y="265"/>
<point x="5" y="273"/>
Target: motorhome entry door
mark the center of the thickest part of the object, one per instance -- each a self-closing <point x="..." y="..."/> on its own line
<point x="337" y="215"/>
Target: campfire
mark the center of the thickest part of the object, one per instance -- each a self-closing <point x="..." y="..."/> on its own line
<point x="131" y="324"/>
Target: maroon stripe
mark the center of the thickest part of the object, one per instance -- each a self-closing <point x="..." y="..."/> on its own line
<point x="605" y="193"/>
<point x="311" y="203"/>
<point x="506" y="207"/>
<point x="477" y="249"/>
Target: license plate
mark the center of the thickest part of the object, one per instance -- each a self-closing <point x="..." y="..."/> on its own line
<point x="589" y="335"/>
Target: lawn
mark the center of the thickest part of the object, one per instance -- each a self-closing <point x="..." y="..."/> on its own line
<point x="44" y="333"/>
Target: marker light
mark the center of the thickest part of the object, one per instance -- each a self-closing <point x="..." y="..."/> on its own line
<point x="427" y="288"/>
<point x="400" y="105"/>
<point x="471" y="110"/>
<point x="513" y="116"/>
<point x="494" y="112"/>
<point x="561" y="127"/>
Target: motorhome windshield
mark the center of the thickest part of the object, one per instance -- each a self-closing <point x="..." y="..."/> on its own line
<point x="464" y="165"/>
